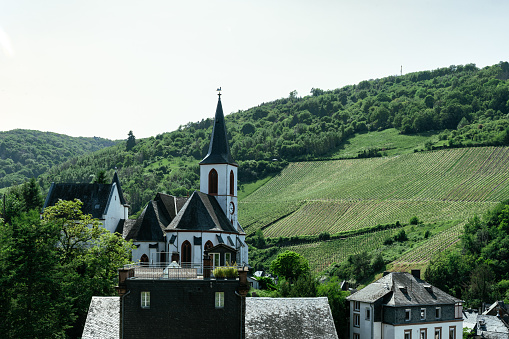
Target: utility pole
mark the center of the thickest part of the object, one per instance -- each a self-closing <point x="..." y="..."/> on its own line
<point x="401" y="71"/>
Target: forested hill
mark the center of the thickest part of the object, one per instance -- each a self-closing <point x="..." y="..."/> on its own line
<point x="462" y="105"/>
<point x="26" y="153"/>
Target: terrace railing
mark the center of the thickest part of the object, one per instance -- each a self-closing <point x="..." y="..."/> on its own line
<point x="173" y="270"/>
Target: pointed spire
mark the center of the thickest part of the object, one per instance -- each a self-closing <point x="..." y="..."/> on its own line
<point x="219" y="150"/>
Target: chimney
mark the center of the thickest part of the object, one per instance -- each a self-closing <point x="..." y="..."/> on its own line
<point x="123" y="275"/>
<point x="416" y="274"/>
<point x="243" y="289"/>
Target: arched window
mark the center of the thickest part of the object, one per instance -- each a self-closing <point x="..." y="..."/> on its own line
<point x="144" y="259"/>
<point x="232" y="183"/>
<point x="208" y="245"/>
<point x="213" y="181"/>
<point x="186" y="252"/>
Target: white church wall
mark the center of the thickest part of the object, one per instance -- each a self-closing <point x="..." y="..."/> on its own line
<point x="115" y="211"/>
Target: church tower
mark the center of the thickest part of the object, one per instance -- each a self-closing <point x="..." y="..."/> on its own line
<point x="218" y="171"/>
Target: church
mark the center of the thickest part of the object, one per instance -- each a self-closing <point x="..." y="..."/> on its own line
<point x="175" y="229"/>
<point x="183" y="229"/>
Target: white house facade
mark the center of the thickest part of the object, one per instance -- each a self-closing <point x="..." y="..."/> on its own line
<point x="401" y="305"/>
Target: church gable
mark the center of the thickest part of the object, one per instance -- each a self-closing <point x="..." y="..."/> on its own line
<point x="201" y="213"/>
<point x="93" y="196"/>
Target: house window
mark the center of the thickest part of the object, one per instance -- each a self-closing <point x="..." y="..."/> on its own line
<point x="423" y="333"/>
<point x="408" y="334"/>
<point x="407" y="315"/>
<point x="452" y="332"/>
<point x="145" y="299"/>
<point x="438" y="333"/>
<point x="458" y="311"/>
<point x="215" y="259"/>
<point x="356" y="319"/>
<point x="232" y="183"/>
<point x="368" y="315"/>
<point x="219" y="300"/>
<point x="423" y="314"/>
<point x="356" y="336"/>
<point x="438" y="312"/>
<point x="357" y="305"/>
<point x="228" y="258"/>
<point x="213" y="181"/>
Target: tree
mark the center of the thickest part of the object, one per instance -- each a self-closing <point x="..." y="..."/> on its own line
<point x="88" y="253"/>
<point x="289" y="265"/>
<point x="131" y="141"/>
<point x="32" y="303"/>
<point x="100" y="177"/>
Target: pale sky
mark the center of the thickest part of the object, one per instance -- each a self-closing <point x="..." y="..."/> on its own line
<point x="102" y="68"/>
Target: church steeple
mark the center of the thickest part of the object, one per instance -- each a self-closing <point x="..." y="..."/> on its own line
<point x="219" y="150"/>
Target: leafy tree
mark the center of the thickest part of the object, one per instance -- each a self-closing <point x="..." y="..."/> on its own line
<point x="289" y="265"/>
<point x="88" y="253"/>
<point x="32" y="301"/>
<point x="100" y="177"/>
<point x="131" y="141"/>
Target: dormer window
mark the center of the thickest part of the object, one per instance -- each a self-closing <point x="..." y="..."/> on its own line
<point x="407" y="314"/>
<point x="213" y="181"/>
<point x="423" y="314"/>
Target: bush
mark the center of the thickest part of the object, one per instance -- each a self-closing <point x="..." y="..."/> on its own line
<point x="414" y="220"/>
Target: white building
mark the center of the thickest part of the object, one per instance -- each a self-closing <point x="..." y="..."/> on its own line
<point x="103" y="201"/>
<point x="180" y="230"/>
<point x="402" y="306"/>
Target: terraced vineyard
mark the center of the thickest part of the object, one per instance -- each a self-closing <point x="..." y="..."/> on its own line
<point x="422" y="254"/>
<point x="321" y="254"/>
<point x="335" y="196"/>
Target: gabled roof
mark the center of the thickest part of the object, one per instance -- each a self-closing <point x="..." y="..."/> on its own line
<point x="201" y="213"/>
<point x="103" y="318"/>
<point x="289" y="318"/>
<point x="219" y="150"/>
<point x="93" y="196"/>
<point x="403" y="289"/>
<point x="218" y="246"/>
<point x="96" y="198"/>
<point x="151" y="223"/>
<point x="116" y="181"/>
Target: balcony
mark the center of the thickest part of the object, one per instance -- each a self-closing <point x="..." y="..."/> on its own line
<point x="176" y="271"/>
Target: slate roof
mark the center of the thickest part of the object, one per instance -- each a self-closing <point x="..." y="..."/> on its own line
<point x="219" y="150"/>
<point x="490" y="326"/>
<point x="94" y="196"/>
<point x="201" y="213"/>
<point x="153" y="220"/>
<point x="265" y="318"/>
<point x="289" y="318"/>
<point x="403" y="289"/>
<point x="103" y="318"/>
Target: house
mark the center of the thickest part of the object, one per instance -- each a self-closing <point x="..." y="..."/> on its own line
<point x="183" y="304"/>
<point x="401" y="305"/>
<point x="492" y="323"/>
<point x="103" y="201"/>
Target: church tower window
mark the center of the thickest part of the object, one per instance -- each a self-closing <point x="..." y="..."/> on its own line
<point x="232" y="183"/>
<point x="213" y="181"/>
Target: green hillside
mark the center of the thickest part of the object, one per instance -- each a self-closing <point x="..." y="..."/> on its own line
<point x="455" y="106"/>
<point x="25" y="153"/>
<point x="345" y="196"/>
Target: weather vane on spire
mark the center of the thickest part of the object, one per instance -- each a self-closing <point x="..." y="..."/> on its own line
<point x="219" y="92"/>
